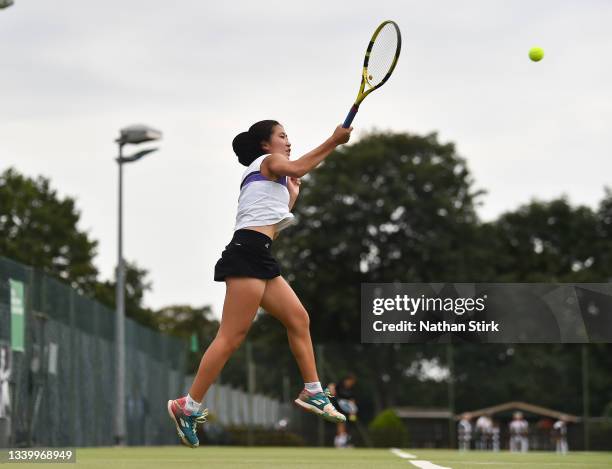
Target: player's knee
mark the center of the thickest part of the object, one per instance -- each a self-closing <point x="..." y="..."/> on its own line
<point x="300" y="320"/>
<point x="234" y="340"/>
<point x="237" y="339"/>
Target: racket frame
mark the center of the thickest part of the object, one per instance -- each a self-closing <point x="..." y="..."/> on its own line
<point x="363" y="92"/>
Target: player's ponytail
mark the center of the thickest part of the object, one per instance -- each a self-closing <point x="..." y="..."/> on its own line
<point x="247" y="145"/>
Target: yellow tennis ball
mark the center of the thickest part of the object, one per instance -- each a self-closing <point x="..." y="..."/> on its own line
<point x="536" y="54"/>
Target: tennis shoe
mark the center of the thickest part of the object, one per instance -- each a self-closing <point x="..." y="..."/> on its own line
<point x="319" y="404"/>
<point x="186" y="423"/>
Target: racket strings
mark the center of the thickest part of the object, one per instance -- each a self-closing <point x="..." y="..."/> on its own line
<point x="382" y="55"/>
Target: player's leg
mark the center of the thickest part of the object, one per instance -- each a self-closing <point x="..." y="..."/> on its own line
<point x="462" y="439"/>
<point x="515" y="443"/>
<point x="280" y="301"/>
<point x="242" y="299"/>
<point x="524" y="444"/>
<point x="341" y="438"/>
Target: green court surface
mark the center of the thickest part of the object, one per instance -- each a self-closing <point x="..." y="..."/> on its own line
<point x="171" y="457"/>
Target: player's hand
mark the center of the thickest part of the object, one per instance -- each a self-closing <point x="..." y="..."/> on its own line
<point x="341" y="135"/>
<point x="293" y="186"/>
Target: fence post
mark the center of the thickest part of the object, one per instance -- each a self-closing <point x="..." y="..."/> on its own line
<point x="72" y="390"/>
<point x="585" y="396"/>
<point x="251" y="390"/>
<point x="286" y="389"/>
<point x="450" y="361"/>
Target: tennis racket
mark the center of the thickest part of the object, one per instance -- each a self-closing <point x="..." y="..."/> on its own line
<point x="379" y="62"/>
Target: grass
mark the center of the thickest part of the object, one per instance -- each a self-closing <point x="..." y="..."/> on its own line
<point x="171" y="457"/>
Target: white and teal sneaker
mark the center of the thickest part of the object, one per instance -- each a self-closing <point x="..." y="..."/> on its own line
<point x="186" y="423"/>
<point x="318" y="403"/>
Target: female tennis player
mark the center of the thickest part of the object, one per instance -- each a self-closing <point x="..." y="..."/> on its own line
<point x="268" y="190"/>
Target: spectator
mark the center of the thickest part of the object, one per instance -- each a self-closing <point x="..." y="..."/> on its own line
<point x="464" y="432"/>
<point x="559" y="434"/>
<point x="519" y="429"/>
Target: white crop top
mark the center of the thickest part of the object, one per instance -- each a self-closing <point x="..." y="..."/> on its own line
<point x="262" y="201"/>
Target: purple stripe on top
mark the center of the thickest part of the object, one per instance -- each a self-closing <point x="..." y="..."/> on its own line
<point x="257" y="176"/>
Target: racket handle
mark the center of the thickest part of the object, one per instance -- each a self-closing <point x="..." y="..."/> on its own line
<point x="350" y="116"/>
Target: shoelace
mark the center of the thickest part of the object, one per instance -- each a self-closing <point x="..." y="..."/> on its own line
<point x="199" y="419"/>
<point x="202" y="417"/>
<point x="329" y="396"/>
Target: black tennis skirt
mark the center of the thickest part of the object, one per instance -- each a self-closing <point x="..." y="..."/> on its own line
<point x="249" y="254"/>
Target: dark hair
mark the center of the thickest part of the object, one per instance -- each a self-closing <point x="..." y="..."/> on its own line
<point x="247" y="145"/>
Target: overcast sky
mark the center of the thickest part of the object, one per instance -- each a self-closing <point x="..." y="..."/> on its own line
<point x="73" y="72"/>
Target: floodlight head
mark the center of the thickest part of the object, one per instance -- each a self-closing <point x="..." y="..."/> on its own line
<point x="5" y="3"/>
<point x="136" y="156"/>
<point x="138" y="133"/>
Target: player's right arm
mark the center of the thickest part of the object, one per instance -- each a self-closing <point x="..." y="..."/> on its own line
<point x="281" y="166"/>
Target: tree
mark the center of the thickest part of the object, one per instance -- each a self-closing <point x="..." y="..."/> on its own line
<point x="602" y="263"/>
<point x="39" y="228"/>
<point x="550" y="242"/>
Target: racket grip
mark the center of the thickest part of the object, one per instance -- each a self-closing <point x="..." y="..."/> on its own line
<point x="350" y="116"/>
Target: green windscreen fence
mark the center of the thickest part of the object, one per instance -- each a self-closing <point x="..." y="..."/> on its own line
<point x="59" y="347"/>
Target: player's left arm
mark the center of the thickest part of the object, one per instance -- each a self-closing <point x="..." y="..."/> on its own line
<point x="293" y="186"/>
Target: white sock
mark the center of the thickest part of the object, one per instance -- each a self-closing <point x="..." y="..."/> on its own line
<point x="313" y="387"/>
<point x="341" y="440"/>
<point x="192" y="406"/>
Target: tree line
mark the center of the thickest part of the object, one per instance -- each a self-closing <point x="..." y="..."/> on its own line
<point x="392" y="207"/>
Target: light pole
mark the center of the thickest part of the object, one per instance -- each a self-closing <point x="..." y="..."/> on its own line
<point x="133" y="134"/>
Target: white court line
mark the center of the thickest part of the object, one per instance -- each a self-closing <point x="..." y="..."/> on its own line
<point x="421" y="464"/>
<point x="402" y="454"/>
<point x="427" y="465"/>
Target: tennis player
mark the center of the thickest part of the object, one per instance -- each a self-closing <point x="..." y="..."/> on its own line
<point x="269" y="188"/>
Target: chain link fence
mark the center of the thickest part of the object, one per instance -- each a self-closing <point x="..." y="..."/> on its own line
<point x="59" y="390"/>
